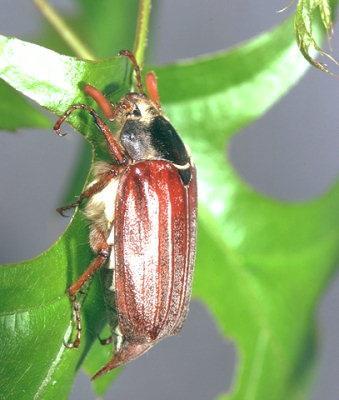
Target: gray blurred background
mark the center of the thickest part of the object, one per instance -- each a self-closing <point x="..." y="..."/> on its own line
<point x="291" y="154"/>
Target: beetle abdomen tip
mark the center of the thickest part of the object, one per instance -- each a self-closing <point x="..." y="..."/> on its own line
<point x="127" y="353"/>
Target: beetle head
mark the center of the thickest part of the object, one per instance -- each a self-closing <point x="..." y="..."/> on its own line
<point x="138" y="107"/>
<point x="138" y="113"/>
<point x="147" y="135"/>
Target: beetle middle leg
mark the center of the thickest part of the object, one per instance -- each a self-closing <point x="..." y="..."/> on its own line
<point x="92" y="190"/>
<point x="103" y="250"/>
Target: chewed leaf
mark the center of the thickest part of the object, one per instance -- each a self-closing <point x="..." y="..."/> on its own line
<point x="306" y="38"/>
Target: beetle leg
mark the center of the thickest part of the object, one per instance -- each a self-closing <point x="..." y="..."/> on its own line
<point x="131" y="57"/>
<point x="77" y="323"/>
<point x="93" y="189"/>
<point x="74" y="289"/>
<point x="66" y="114"/>
<point x="112" y="144"/>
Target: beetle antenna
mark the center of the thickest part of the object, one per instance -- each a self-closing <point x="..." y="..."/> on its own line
<point x="136" y="67"/>
<point x="152" y="88"/>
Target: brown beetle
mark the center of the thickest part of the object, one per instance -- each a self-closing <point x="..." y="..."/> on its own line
<point x="142" y="210"/>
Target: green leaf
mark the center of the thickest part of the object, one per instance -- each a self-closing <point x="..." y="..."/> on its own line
<point x="16" y="112"/>
<point x="262" y="264"/>
<point x="36" y="320"/>
<point x="303" y="25"/>
<point x="256" y="256"/>
<point x="58" y="90"/>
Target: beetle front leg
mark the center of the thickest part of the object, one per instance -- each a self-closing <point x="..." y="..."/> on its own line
<point x="75" y="288"/>
<point x="112" y="144"/>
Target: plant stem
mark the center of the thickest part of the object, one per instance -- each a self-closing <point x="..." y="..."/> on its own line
<point x="142" y="30"/>
<point x="79" y="48"/>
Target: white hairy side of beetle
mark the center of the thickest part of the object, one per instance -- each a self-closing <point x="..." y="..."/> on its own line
<point x="101" y="207"/>
<point x="100" y="211"/>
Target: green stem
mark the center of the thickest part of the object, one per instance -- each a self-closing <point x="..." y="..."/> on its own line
<point x="142" y="30"/>
<point x="79" y="48"/>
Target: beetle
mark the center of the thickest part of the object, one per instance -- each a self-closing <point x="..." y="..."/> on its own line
<point x="142" y="209"/>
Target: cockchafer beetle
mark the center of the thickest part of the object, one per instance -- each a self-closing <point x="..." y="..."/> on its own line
<point x="142" y="213"/>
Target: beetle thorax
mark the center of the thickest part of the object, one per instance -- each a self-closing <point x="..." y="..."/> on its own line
<point x="146" y="134"/>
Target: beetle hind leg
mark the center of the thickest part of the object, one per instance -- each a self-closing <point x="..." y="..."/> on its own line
<point x="62" y="209"/>
<point x="76" y="287"/>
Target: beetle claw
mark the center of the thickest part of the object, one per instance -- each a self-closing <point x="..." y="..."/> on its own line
<point x="59" y="133"/>
<point x="61" y="211"/>
<point x="72" y="345"/>
<point x="106" y="341"/>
